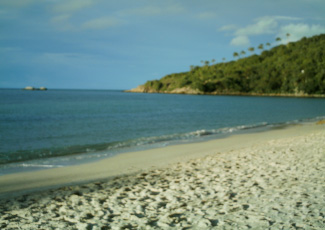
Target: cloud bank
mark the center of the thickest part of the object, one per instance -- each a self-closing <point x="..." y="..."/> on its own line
<point x="297" y="31"/>
<point x="272" y="25"/>
<point x="72" y="5"/>
<point x="241" y="40"/>
<point x="101" y="23"/>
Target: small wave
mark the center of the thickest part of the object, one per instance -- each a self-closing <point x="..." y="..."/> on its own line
<point x="228" y="130"/>
<point x="39" y="166"/>
<point x="190" y="136"/>
<point x="93" y="151"/>
<point x="90" y="151"/>
<point x="200" y="133"/>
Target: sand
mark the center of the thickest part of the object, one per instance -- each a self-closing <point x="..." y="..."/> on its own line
<point x="267" y="180"/>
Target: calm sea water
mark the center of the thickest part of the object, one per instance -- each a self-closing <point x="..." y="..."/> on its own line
<point x="40" y="129"/>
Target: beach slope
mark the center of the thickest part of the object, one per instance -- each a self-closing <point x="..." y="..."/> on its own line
<point x="267" y="180"/>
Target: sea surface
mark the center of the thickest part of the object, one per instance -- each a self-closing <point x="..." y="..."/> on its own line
<point x="55" y="128"/>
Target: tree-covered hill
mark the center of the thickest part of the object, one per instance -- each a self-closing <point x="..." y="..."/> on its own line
<point x="297" y="68"/>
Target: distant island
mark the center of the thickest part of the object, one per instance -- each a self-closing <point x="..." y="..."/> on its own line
<point x="293" y="69"/>
<point x="33" y="88"/>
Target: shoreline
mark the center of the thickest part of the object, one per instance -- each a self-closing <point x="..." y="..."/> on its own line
<point x="268" y="180"/>
<point x="30" y="165"/>
<point x="193" y="92"/>
<point x="135" y="161"/>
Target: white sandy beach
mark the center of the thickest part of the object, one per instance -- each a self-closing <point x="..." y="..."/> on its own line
<point x="267" y="180"/>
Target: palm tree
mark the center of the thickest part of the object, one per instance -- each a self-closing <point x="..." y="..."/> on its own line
<point x="288" y="35"/>
<point x="251" y="49"/>
<point x="206" y="63"/>
<point x="261" y="46"/>
<point x="242" y="52"/>
<point x="268" y="44"/>
<point x="235" y="54"/>
<point x="223" y="59"/>
<point x="278" y="39"/>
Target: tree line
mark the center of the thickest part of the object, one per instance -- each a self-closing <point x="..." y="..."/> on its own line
<point x="293" y="68"/>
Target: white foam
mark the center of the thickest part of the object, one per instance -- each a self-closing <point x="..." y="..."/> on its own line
<point x="40" y="165"/>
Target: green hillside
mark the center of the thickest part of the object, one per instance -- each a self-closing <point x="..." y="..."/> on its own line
<point x="297" y="68"/>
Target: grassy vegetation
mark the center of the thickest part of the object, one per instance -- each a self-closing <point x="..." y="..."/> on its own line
<point x="294" y="68"/>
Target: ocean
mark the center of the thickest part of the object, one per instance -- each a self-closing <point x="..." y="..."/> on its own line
<point x="56" y="128"/>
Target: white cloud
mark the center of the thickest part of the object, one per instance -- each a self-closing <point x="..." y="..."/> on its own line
<point x="101" y="23"/>
<point x="240" y="41"/>
<point x="144" y="11"/>
<point x="206" y="15"/>
<point x="286" y="18"/>
<point x="61" y="18"/>
<point x="298" y="31"/>
<point x="228" y="28"/>
<point x="62" y="22"/>
<point x="73" y="5"/>
<point x="63" y="59"/>
<point x="153" y="10"/>
<point x="17" y="3"/>
<point x="262" y="26"/>
<point x="266" y="25"/>
<point x="9" y="49"/>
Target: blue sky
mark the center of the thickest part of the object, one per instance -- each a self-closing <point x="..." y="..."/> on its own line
<point x="106" y="44"/>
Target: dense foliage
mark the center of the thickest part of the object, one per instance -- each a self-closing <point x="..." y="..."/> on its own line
<point x="294" y="68"/>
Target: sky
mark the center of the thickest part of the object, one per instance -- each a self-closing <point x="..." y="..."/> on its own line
<point x="106" y="44"/>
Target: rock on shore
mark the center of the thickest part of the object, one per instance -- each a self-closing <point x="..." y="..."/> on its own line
<point x="184" y="90"/>
<point x="33" y="88"/>
<point x="189" y="90"/>
<point x="275" y="185"/>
